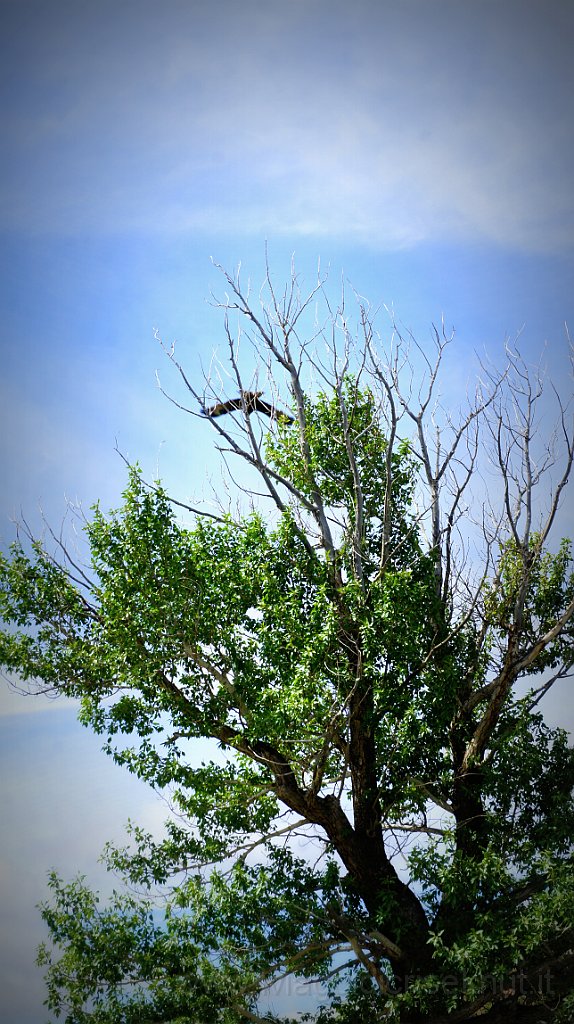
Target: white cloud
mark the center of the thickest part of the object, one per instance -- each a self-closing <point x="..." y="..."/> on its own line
<point x="376" y="125"/>
<point x="17" y="699"/>
<point x="60" y="800"/>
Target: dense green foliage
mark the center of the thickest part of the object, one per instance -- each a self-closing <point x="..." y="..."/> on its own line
<point x="358" y="694"/>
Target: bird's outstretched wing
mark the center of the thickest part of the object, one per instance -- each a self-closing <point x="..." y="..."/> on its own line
<point x="260" y="405"/>
<point x="252" y="402"/>
<point x="233" y="404"/>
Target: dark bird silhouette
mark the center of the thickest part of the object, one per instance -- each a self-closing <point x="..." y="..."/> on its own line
<point x="252" y="402"/>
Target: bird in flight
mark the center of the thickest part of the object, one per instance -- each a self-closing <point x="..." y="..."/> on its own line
<point x="251" y="401"/>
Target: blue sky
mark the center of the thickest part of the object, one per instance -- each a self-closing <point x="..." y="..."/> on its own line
<point x="422" y="147"/>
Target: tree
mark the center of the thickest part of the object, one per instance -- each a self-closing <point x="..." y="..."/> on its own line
<point x="386" y="810"/>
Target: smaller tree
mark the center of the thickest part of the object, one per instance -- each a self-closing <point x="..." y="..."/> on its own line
<point x="386" y="811"/>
